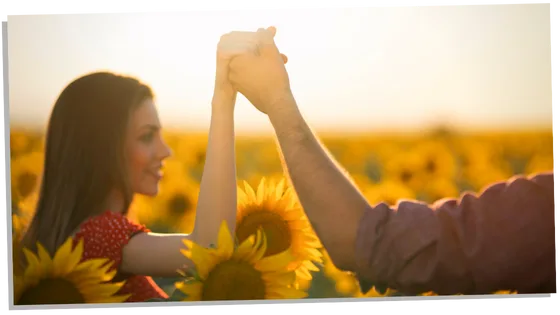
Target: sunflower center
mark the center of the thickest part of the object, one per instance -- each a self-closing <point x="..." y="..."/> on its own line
<point x="275" y="228"/>
<point x="233" y="280"/>
<point x="52" y="291"/>
<point x="200" y="157"/>
<point x="430" y="166"/>
<point x="26" y="183"/>
<point x="179" y="204"/>
<point x="406" y="176"/>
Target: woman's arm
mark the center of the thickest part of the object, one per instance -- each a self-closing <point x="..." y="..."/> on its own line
<point x="159" y="254"/>
<point x="218" y="191"/>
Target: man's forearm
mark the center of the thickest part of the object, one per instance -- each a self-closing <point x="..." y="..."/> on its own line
<point x="332" y="203"/>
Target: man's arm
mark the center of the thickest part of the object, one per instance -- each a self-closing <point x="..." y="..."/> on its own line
<point x="499" y="239"/>
<point x="331" y="201"/>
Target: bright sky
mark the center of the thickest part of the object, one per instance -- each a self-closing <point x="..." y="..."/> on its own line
<point x="358" y="68"/>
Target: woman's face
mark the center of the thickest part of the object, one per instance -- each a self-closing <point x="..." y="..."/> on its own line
<point x="145" y="149"/>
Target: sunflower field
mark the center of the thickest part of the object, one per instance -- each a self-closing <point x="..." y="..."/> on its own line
<point x="273" y="233"/>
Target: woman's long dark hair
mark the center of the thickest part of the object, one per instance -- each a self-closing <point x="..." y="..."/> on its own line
<point x="84" y="155"/>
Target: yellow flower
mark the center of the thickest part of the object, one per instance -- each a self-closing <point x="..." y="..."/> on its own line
<point x="191" y="148"/>
<point x="482" y="175"/>
<point x="437" y="159"/>
<point x="26" y="172"/>
<point x="64" y="280"/>
<point x="431" y="293"/>
<point x="540" y="163"/>
<point x="440" y="188"/>
<point x="255" y="178"/>
<point x="345" y="282"/>
<point x="25" y="208"/>
<point x="389" y="191"/>
<point x="230" y="272"/>
<point x="373" y="293"/>
<point x="175" y="206"/>
<point x="18" y="228"/>
<point x="18" y="225"/>
<point x="19" y="142"/>
<point x="361" y="181"/>
<point x="407" y="168"/>
<point x="505" y="292"/>
<point x="275" y="209"/>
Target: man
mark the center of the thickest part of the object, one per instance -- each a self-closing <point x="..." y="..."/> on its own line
<point x="499" y="239"/>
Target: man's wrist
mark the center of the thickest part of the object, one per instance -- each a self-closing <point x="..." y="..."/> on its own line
<point x="283" y="108"/>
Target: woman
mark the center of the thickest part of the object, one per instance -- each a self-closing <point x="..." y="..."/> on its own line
<point x="103" y="146"/>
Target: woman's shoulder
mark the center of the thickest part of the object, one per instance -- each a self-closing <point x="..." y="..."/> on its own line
<point x="109" y="221"/>
<point x="105" y="234"/>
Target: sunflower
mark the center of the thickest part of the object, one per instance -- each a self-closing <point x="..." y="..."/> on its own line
<point x="25" y="175"/>
<point x="64" y="280"/>
<point x="172" y="169"/>
<point x="276" y="210"/>
<point x="407" y="168"/>
<point x="175" y="207"/>
<point x="255" y="178"/>
<point x="191" y="148"/>
<point x="389" y="191"/>
<point x="482" y="175"/>
<point x="539" y="163"/>
<point x="229" y="272"/>
<point x="25" y="208"/>
<point x="345" y="282"/>
<point x="505" y="292"/>
<point x="19" y="142"/>
<point x="360" y="180"/>
<point x="373" y="293"/>
<point x="18" y="228"/>
<point x="437" y="159"/>
<point x="439" y="188"/>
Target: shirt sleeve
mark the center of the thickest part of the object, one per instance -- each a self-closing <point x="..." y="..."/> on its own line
<point x="500" y="239"/>
<point x="106" y="235"/>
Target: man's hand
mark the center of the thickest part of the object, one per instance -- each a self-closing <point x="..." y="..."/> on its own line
<point x="333" y="204"/>
<point x="230" y="45"/>
<point x="261" y="77"/>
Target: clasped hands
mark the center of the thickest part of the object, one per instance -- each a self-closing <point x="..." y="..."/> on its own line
<point x="251" y="64"/>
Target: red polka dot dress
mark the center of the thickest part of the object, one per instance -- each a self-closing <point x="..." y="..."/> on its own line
<point x="104" y="236"/>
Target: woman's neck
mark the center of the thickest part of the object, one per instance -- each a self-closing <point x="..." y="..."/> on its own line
<point x="115" y="202"/>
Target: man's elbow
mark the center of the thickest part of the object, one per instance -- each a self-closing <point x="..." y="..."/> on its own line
<point x="343" y="258"/>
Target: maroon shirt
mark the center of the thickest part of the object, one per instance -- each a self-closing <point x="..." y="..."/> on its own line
<point x="500" y="239"/>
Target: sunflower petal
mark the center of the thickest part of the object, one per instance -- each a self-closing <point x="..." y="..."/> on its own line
<point x="260" y="247"/>
<point x="261" y="191"/>
<point x="63" y="259"/>
<point x="279" y="278"/>
<point x="285" y="293"/>
<point x="201" y="259"/>
<point x="246" y="249"/>
<point x="276" y="262"/>
<point x="45" y="258"/>
<point x="225" y="241"/>
<point x="304" y="274"/>
<point x="33" y="264"/>
<point x="101" y="289"/>
<point x="310" y="265"/>
<point x="249" y="191"/>
<point x="193" y="291"/>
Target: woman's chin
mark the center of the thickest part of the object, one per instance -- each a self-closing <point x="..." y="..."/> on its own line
<point x="149" y="192"/>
